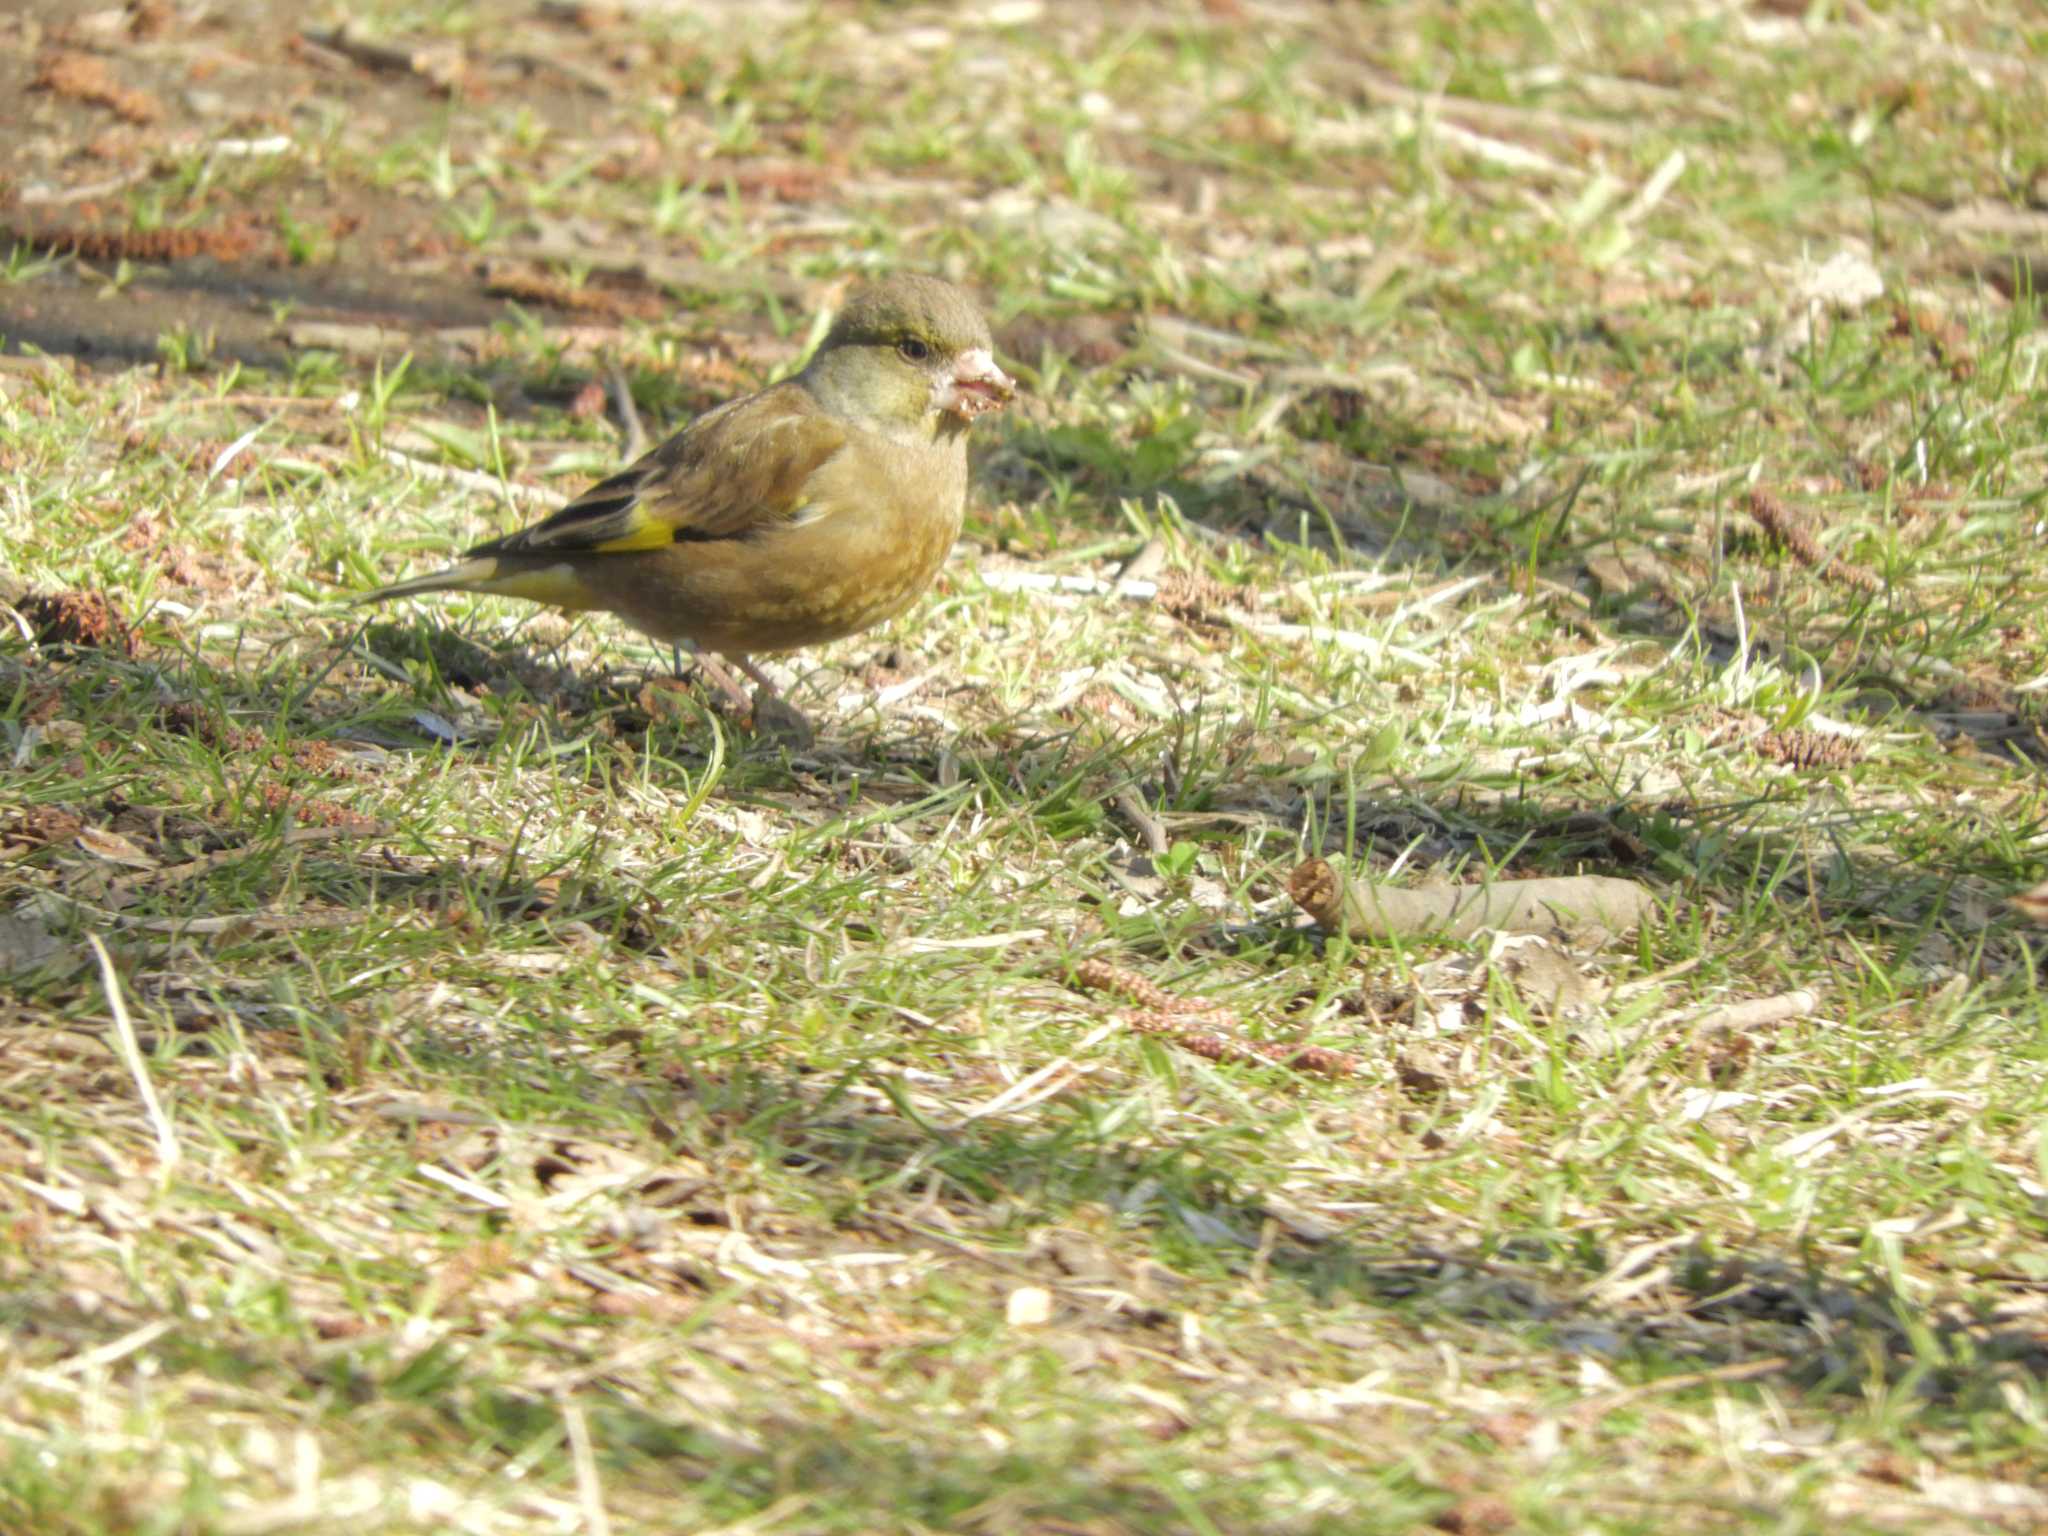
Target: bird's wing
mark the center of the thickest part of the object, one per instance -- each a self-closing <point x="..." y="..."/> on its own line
<point x="743" y="467"/>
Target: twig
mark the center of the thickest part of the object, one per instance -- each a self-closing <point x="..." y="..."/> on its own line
<point x="55" y="197"/>
<point x="1147" y="826"/>
<point x="589" y="1493"/>
<point x="1655" y="979"/>
<point x="1758" y="1011"/>
<point x="569" y="69"/>
<point x="1169" y="357"/>
<point x="1661" y="181"/>
<point x="440" y="64"/>
<point x="411" y="1113"/>
<point x="131" y="1053"/>
<point x="114" y="1349"/>
<point x="1740" y="1370"/>
<point x="341" y="40"/>
<point x="1496" y="116"/>
<point x="629" y="414"/>
<point x="1503" y="153"/>
<point x="1048" y="1080"/>
<point x="469" y="1189"/>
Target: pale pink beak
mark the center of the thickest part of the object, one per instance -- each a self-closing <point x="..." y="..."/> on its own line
<point x="977" y="386"/>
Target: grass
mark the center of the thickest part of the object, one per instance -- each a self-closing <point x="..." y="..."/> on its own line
<point x="1568" y="440"/>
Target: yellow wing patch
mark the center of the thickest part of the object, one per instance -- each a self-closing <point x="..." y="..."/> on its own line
<point x="644" y="534"/>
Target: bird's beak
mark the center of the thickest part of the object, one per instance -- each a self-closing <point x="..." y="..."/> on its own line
<point x="977" y="386"/>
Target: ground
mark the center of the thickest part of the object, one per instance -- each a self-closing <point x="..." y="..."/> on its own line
<point x="456" y="1076"/>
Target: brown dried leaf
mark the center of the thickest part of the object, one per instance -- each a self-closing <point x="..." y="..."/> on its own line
<point x="2032" y="904"/>
<point x="114" y="848"/>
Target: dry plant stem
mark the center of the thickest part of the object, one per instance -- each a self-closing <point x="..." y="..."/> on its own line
<point x="1161" y="1013"/>
<point x="343" y="41"/>
<point x="629" y="415"/>
<point x="440" y="64"/>
<point x="1759" y="1011"/>
<point x="583" y="1457"/>
<point x="592" y="81"/>
<point x="47" y="197"/>
<point x="131" y="1056"/>
<point x="1492" y="116"/>
<point x="1587" y="908"/>
<point x="1143" y="822"/>
<point x="1593" y="1409"/>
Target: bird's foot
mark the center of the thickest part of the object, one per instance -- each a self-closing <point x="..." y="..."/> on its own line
<point x="765" y="709"/>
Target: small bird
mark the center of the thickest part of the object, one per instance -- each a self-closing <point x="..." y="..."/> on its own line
<point x="802" y="513"/>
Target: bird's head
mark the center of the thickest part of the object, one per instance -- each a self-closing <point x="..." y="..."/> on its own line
<point x="911" y="354"/>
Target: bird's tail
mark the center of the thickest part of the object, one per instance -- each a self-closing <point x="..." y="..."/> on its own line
<point x="560" y="583"/>
<point x="470" y="576"/>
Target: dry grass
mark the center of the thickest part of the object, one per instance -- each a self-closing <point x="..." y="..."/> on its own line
<point x="453" y="1080"/>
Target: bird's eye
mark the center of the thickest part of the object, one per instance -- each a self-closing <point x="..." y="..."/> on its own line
<point x="917" y="351"/>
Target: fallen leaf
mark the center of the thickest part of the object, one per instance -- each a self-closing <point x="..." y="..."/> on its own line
<point x="113" y="847"/>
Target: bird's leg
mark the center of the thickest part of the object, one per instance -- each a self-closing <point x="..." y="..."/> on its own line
<point x="774" y="716"/>
<point x="746" y="665"/>
<point x="714" y="670"/>
<point x="725" y="682"/>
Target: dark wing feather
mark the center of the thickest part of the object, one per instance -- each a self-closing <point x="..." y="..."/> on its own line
<point x="741" y="468"/>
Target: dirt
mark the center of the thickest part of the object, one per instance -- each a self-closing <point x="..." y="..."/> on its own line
<point x="83" y="78"/>
<point x="186" y="718"/>
<point x="85" y="620"/>
<point x="109" y="106"/>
